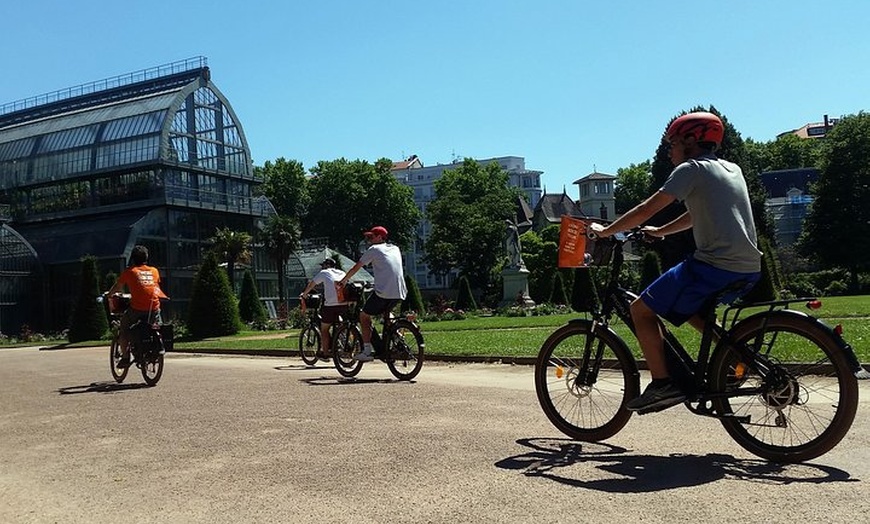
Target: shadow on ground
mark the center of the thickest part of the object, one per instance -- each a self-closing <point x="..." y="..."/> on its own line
<point x="101" y="387"/>
<point x="569" y="462"/>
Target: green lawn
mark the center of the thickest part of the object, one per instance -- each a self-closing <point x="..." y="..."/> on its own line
<point x="523" y="336"/>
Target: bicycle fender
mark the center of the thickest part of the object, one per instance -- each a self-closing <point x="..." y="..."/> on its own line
<point x="844" y="346"/>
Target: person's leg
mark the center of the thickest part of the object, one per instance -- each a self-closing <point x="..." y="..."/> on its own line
<point x="365" y="321"/>
<point x="650" y="338"/>
<point x="325" y="339"/>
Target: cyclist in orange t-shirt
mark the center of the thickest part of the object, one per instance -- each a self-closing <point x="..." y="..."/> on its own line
<point x="143" y="283"/>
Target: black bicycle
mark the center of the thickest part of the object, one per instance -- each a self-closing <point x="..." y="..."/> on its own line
<point x="310" y="345"/>
<point x="401" y="348"/>
<point x="147" y="343"/>
<point x="780" y="381"/>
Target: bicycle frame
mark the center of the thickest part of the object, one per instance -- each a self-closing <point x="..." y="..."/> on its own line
<point x="692" y="373"/>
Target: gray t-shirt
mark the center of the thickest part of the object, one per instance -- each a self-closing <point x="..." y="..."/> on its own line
<point x="715" y="194"/>
<point x="386" y="262"/>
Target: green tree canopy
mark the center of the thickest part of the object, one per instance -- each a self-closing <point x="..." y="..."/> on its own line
<point x="349" y="197"/>
<point x="280" y="236"/>
<point x="632" y="186"/>
<point x="251" y="309"/>
<point x="468" y="217"/>
<point x="231" y="247"/>
<point x="838" y="223"/>
<point x="285" y="185"/>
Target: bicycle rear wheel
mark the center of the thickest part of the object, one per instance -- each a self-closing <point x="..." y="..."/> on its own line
<point x="806" y="405"/>
<point x="118" y="373"/>
<point x="346" y="343"/>
<point x="583" y="378"/>
<point x="309" y="344"/>
<point x="152" y="368"/>
<point x="405" y="350"/>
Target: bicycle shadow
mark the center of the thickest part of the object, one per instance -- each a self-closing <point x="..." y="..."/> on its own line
<point x="348" y="381"/>
<point x="569" y="462"/>
<point x="303" y="367"/>
<point x="101" y="387"/>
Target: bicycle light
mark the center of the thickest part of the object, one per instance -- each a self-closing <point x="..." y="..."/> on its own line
<point x="814" y="304"/>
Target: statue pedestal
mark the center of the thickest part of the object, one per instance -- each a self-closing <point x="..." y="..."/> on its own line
<point x="516" y="288"/>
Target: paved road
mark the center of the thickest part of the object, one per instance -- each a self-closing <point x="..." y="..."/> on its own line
<point x="236" y="439"/>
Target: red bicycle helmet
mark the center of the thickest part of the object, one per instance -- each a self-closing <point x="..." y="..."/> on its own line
<point x="705" y="127"/>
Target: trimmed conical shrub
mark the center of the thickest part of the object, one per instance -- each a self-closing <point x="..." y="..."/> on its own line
<point x="414" y="300"/>
<point x="583" y="294"/>
<point x="559" y="296"/>
<point x="650" y="269"/>
<point x="89" y="321"/>
<point x="213" y="309"/>
<point x="251" y="309"/>
<point x="464" y="299"/>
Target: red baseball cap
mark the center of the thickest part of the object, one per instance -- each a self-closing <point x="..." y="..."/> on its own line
<point x="380" y="231"/>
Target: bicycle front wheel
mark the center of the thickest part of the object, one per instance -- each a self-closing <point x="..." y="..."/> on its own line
<point x="309" y="344"/>
<point x="119" y="373"/>
<point x="347" y="342"/>
<point x="799" y="410"/>
<point x="583" y="378"/>
<point x="405" y="352"/>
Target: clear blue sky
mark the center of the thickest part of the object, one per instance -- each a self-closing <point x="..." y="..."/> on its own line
<point x="569" y="85"/>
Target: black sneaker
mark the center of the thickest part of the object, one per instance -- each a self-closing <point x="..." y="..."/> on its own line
<point x="656" y="397"/>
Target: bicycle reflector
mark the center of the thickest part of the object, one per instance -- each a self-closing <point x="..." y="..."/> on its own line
<point x="814" y="304"/>
<point x="559" y="371"/>
<point x="838" y="329"/>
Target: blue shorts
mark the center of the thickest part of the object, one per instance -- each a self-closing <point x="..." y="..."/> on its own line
<point x="683" y="290"/>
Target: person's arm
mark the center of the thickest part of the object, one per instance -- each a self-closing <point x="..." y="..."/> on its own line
<point x="681" y="223"/>
<point x="636" y="216"/>
<point x="356" y="267"/>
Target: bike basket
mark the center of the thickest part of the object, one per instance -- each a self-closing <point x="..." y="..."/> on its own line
<point x="600" y="252"/>
<point x="353" y="292"/>
<point x="119" y="302"/>
<point x="312" y="301"/>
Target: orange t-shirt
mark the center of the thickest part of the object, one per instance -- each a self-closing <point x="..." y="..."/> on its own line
<point x="144" y="285"/>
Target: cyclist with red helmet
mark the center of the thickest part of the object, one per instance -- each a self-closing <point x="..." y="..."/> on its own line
<point x="719" y="213"/>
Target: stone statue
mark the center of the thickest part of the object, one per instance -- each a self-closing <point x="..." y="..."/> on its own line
<point x="512" y="246"/>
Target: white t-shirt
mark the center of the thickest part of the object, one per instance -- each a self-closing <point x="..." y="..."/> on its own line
<point x="386" y="262"/>
<point x="329" y="277"/>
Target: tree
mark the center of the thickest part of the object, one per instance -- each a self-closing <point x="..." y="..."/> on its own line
<point x="838" y="222"/>
<point x="540" y="257"/>
<point x="213" y="309"/>
<point x="468" y="217"/>
<point x="251" y="309"/>
<point x="280" y="236"/>
<point x="231" y="247"/>
<point x="632" y="186"/>
<point x="349" y="197"/>
<point x="286" y="186"/>
<point x="89" y="321"/>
